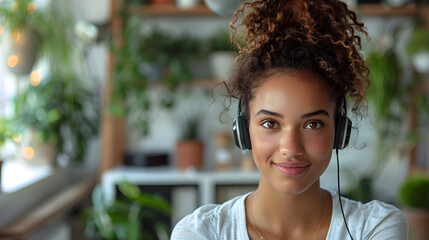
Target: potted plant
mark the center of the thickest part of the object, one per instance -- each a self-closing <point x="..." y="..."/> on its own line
<point x="390" y="99"/>
<point x="387" y="100"/>
<point x="170" y="56"/>
<point x="129" y="86"/>
<point x="132" y="217"/>
<point x="55" y="110"/>
<point x="189" y="150"/>
<point x="221" y="55"/>
<point x="25" y="36"/>
<point x="141" y="60"/>
<point x="37" y="32"/>
<point x="58" y="116"/>
<point x="414" y="197"/>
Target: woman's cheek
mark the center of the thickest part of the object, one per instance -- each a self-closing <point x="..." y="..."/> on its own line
<point x="320" y="147"/>
<point x="263" y="144"/>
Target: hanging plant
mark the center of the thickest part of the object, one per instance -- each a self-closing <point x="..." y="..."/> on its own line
<point x="60" y="111"/>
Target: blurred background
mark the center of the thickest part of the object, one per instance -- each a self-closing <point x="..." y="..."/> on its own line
<point x="114" y="122"/>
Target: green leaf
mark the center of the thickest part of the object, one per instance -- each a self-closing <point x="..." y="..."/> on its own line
<point x="158" y="204"/>
<point x="53" y="116"/>
<point x="129" y="190"/>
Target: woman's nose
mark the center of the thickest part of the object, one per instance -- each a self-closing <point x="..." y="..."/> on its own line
<point x="291" y="143"/>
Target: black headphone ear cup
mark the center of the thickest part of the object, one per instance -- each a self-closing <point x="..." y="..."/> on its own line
<point x="343" y="129"/>
<point x="236" y="131"/>
<point x="245" y="135"/>
<point x="241" y="133"/>
<point x="348" y="130"/>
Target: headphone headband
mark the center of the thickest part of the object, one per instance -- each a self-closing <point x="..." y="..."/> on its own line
<point x="239" y="107"/>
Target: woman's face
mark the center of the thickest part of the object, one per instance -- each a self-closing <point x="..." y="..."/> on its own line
<point x="292" y="128"/>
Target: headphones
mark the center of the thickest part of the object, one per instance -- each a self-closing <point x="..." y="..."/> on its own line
<point x="343" y="126"/>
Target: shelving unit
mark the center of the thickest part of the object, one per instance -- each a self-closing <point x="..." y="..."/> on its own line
<point x="203" y="10"/>
<point x="114" y="129"/>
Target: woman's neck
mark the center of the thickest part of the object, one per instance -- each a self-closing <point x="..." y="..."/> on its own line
<point x="289" y="213"/>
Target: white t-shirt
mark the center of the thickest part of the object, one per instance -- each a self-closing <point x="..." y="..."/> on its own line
<point x="373" y="220"/>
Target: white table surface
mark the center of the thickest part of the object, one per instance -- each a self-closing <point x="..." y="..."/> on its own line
<point x="206" y="181"/>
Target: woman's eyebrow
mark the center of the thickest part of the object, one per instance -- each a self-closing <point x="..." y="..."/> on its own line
<point x="307" y="115"/>
<point x="266" y="112"/>
<point x="318" y="112"/>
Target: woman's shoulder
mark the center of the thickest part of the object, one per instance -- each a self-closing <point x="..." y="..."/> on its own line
<point x="375" y="209"/>
<point x="375" y="218"/>
<point x="206" y="221"/>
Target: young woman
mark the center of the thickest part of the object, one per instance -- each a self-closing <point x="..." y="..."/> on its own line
<point x="299" y="61"/>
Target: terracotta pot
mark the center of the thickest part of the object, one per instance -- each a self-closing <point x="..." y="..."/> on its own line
<point x="189" y="154"/>
<point x="418" y="220"/>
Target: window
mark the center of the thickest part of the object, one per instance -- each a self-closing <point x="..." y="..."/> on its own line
<point x="16" y="174"/>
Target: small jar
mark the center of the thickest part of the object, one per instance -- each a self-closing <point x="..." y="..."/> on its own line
<point x="246" y="163"/>
<point x="223" y="153"/>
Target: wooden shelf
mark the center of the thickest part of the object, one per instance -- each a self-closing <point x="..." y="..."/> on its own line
<point x="203" y="10"/>
<point x="196" y="83"/>
<point x="171" y="10"/>
<point x="385" y="10"/>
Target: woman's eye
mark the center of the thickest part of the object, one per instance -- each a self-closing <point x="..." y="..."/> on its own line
<point x="269" y="124"/>
<point x="314" y="125"/>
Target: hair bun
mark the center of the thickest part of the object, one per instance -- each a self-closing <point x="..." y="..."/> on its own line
<point x="314" y="35"/>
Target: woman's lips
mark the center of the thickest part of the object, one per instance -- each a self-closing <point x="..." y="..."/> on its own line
<point x="292" y="168"/>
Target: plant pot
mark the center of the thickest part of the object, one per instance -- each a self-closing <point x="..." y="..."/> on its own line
<point x="26" y="48"/>
<point x="96" y="12"/>
<point x="221" y="64"/>
<point x="223" y="7"/>
<point x="397" y="3"/>
<point x="222" y="151"/>
<point x="189" y="154"/>
<point x="421" y="62"/>
<point x="418" y="220"/>
<point x="187" y="4"/>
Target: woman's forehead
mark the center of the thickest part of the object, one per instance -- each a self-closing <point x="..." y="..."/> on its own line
<point x="284" y="90"/>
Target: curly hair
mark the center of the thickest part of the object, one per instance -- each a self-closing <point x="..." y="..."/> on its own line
<point x="320" y="37"/>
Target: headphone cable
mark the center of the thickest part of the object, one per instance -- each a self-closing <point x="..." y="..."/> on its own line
<point x="339" y="193"/>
